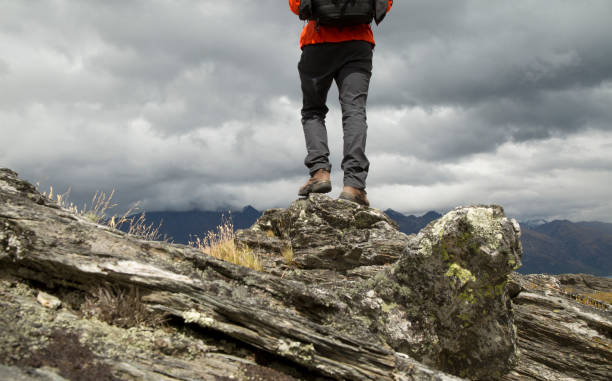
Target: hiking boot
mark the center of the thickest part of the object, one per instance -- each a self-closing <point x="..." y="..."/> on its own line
<point x="355" y="195"/>
<point x="319" y="182"/>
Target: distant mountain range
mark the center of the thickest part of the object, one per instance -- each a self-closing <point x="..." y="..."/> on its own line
<point x="559" y="247"/>
<point x="183" y="227"/>
<point x="556" y="247"/>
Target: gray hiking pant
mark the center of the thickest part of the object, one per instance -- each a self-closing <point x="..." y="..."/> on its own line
<point x="350" y="65"/>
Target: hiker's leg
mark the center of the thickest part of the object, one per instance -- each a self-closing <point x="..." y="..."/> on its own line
<point x="353" y="82"/>
<point x="316" y="75"/>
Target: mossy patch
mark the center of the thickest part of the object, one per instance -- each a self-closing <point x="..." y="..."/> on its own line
<point x="467" y="296"/>
<point x="386" y="307"/>
<point x="499" y="288"/>
<point x="514" y="264"/>
<point x="464" y="275"/>
<point x="443" y="253"/>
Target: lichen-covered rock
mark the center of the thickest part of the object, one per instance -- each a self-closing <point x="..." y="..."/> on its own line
<point x="288" y="319"/>
<point x="441" y="297"/>
<point x="99" y="351"/>
<point x="436" y="300"/>
<point x="446" y="298"/>
<point x="330" y="234"/>
<point x="562" y="334"/>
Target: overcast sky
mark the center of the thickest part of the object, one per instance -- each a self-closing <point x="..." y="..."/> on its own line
<point x="186" y="104"/>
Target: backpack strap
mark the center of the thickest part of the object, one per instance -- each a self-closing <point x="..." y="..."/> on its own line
<point x="380" y="10"/>
<point x="305" y="11"/>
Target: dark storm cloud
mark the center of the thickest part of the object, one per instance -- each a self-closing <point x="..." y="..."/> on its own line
<point x="211" y="61"/>
<point x="463" y="52"/>
<point x="527" y="69"/>
<point x="222" y="61"/>
<point x="187" y="103"/>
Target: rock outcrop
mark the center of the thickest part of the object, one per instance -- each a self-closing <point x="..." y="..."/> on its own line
<point x="329" y="234"/>
<point x="355" y="299"/>
<point x="441" y="298"/>
<point x="562" y="335"/>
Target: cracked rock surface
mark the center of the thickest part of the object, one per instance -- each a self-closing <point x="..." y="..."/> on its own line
<point x="357" y="300"/>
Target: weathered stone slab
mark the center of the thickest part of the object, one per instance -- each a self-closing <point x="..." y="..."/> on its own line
<point x="361" y="300"/>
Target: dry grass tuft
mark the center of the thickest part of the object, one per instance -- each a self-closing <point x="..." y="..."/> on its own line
<point x="61" y="199"/>
<point x="222" y="245"/>
<point x="120" y="308"/>
<point x="287" y="253"/>
<point x="137" y="225"/>
<point x="97" y="211"/>
<point x="100" y="203"/>
<point x="605" y="297"/>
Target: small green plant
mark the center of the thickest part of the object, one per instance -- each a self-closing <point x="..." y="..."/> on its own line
<point x="221" y="244"/>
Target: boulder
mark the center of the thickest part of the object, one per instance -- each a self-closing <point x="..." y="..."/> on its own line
<point x="439" y="296"/>
<point x="447" y="293"/>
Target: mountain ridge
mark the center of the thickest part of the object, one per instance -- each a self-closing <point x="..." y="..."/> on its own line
<point x="553" y="247"/>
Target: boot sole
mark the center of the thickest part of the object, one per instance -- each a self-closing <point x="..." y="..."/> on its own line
<point x="320" y="187"/>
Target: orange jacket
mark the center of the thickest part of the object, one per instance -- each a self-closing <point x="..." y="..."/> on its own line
<point x="313" y="35"/>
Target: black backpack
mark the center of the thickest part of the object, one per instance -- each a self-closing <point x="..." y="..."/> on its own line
<point x="342" y="13"/>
